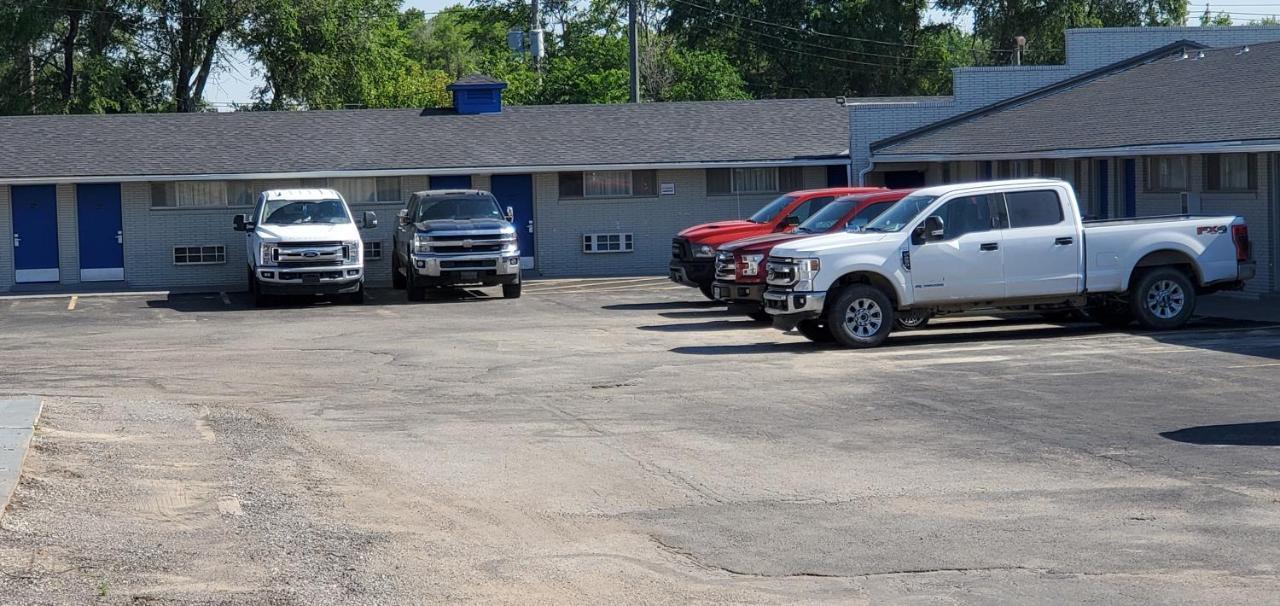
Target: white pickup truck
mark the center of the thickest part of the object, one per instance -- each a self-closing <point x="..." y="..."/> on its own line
<point x="304" y="242"/>
<point x="1003" y="244"/>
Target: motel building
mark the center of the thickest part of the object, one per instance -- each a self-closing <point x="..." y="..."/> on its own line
<point x="142" y="201"/>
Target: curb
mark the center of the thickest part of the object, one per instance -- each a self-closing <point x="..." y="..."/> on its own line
<point x="17" y="424"/>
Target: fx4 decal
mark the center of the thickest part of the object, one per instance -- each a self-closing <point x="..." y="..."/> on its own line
<point x="1212" y="230"/>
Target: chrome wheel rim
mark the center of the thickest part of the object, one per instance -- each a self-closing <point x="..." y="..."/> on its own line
<point x="863" y="318"/>
<point x="1166" y="299"/>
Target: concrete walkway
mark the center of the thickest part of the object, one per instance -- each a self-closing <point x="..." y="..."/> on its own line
<point x="1236" y="307"/>
<point x="17" y="422"/>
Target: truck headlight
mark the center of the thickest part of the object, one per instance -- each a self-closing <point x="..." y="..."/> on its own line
<point x="351" y="251"/>
<point x="750" y="264"/>
<point x="268" y="256"/>
<point x="704" y="250"/>
<point x="420" y="245"/>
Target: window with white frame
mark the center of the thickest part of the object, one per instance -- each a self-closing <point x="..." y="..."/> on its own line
<point x="1167" y="173"/>
<point x="1230" y="173"/>
<point x="609" y="184"/>
<point x="372" y="251"/>
<point x="728" y="181"/>
<point x="199" y="255"/>
<point x="188" y="194"/>
<point x="366" y="190"/>
<point x="607" y="243"/>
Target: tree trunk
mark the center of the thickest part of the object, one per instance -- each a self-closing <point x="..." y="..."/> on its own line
<point x="206" y="66"/>
<point x="69" y="55"/>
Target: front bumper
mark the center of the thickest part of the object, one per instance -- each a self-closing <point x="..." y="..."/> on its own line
<point x="310" y="281"/>
<point x="486" y="269"/>
<point x="696" y="273"/>
<point x="734" y="292"/>
<point x="789" y="308"/>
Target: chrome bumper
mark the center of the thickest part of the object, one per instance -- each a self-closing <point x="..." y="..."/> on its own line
<point x="433" y="266"/>
<point x="786" y="302"/>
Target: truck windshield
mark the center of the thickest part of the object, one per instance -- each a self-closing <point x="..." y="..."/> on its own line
<point x="297" y="212"/>
<point x="901" y="214"/>
<point x="826" y="218"/>
<point x="771" y="210"/>
<point x="430" y="209"/>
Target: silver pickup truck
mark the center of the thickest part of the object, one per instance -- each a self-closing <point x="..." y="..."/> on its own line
<point x="1007" y="245"/>
<point x="448" y="238"/>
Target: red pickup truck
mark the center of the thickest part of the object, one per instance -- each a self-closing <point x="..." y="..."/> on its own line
<point x="693" y="250"/>
<point x="740" y="264"/>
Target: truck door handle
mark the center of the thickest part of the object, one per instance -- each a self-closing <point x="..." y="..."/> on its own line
<point x="1064" y="241"/>
<point x="990" y="246"/>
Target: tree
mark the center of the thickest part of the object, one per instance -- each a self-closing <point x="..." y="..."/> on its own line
<point x="191" y="36"/>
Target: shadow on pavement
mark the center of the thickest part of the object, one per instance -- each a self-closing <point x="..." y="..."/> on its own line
<point x="239" y="301"/>
<point x="713" y="312"/>
<point x="796" y="347"/>
<point x="1233" y="434"/>
<point x="711" y="325"/>
<point x="663" y="305"/>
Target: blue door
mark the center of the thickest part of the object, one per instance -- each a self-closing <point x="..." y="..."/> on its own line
<point x="35" y="233"/>
<point x="516" y="191"/>
<point x="101" y="232"/>
<point x="450" y="182"/>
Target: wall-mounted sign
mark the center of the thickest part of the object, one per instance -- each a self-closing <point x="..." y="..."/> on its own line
<point x="668" y="189"/>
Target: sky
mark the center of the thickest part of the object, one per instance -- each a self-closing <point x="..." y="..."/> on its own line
<point x="235" y="83"/>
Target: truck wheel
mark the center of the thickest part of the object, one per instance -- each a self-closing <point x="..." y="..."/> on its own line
<point x="255" y="292"/>
<point x="706" y="291"/>
<point x="815" y="331"/>
<point x="416" y="293"/>
<point x="511" y="291"/>
<point x="760" y="316"/>
<point x="357" y="297"/>
<point x="861" y="316"/>
<point x="1111" y="316"/>
<point x="397" y="278"/>
<point x="912" y="320"/>
<point x="1163" y="299"/>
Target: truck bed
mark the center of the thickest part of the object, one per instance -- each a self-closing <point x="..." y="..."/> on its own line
<point x="1114" y="246"/>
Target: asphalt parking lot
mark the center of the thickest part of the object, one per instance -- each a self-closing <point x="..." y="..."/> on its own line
<point x="624" y="441"/>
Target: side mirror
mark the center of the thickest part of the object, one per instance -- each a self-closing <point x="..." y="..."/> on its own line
<point x="511" y="214"/>
<point x="240" y="224"/>
<point x="370" y="219"/>
<point x="403" y="216"/>
<point x="933" y="228"/>
<point x="789" y="223"/>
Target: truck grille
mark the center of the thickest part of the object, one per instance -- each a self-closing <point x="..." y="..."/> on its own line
<point x="680" y="249"/>
<point x="469" y="243"/>
<point x="311" y="254"/>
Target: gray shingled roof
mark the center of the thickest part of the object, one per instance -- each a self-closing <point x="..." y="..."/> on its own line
<point x="1227" y="96"/>
<point x="519" y="136"/>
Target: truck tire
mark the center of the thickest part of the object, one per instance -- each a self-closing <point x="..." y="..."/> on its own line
<point x="1162" y="299"/>
<point x="511" y="291"/>
<point x="357" y="297"/>
<point x="815" y="331"/>
<point x="255" y="292"/>
<point x="397" y="278"/>
<point x="860" y="317"/>
<point x="415" y="292"/>
<point x="912" y="320"/>
<point x="760" y="316"/>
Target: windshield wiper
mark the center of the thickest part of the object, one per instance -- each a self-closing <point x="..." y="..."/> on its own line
<point x="869" y="228"/>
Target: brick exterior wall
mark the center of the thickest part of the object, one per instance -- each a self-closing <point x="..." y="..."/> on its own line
<point x="560" y="224"/>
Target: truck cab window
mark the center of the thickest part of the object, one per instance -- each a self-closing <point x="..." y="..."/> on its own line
<point x="967" y="215"/>
<point x="1034" y="208"/>
<point x="809" y="207"/>
<point x="296" y="212"/>
<point x="471" y="207"/>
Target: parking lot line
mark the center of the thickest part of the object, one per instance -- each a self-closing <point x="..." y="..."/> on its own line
<point x="71" y="305"/>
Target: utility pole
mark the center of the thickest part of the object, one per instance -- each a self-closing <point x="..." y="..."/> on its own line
<point x="535" y="36"/>
<point x="633" y="30"/>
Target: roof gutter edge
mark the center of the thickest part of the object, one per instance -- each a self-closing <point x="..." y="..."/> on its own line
<point x="1224" y="147"/>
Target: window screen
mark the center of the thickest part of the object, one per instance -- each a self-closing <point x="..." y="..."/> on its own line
<point x="644" y="182"/>
<point x="790" y="178"/>
<point x="719" y="181"/>
<point x="606" y="183"/>
<point x="1033" y="208"/>
<point x="571" y="185"/>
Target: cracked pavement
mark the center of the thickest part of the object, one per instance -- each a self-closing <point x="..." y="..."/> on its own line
<point x="625" y="442"/>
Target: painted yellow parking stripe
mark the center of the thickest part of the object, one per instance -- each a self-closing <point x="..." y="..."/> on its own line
<point x="71" y="305"/>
